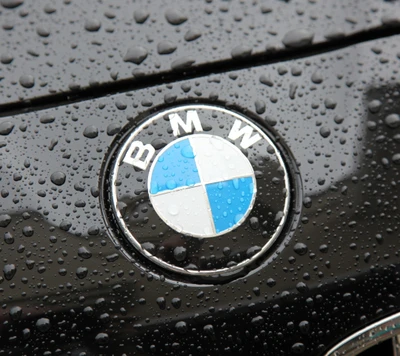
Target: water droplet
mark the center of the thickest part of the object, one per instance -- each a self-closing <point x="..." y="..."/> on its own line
<point x="161" y="303"/>
<point x="254" y="223"/>
<point x="282" y="70"/>
<point x="112" y="258"/>
<point x="374" y="106"/>
<point x="43" y="31"/>
<point x="304" y="327"/>
<point x="175" y="17"/>
<point x="176" y="303"/>
<point x="6" y="58"/>
<point x="81" y="272"/>
<point x="367" y="257"/>
<point x="88" y="311"/>
<point x="16" y="313"/>
<point x="209" y="329"/>
<point x="296" y="71"/>
<point x="181" y="327"/>
<point x="28" y="231"/>
<point x="396" y="158"/>
<point x="95" y="192"/>
<point x="65" y="225"/>
<point x="113" y="129"/>
<point x="392" y="121"/>
<point x="91" y="131"/>
<point x="43" y="325"/>
<point x="5" y="219"/>
<point x="271" y="282"/>
<point x="292" y="90"/>
<point x="325" y="131"/>
<point x="84" y="253"/>
<point x="317" y="77"/>
<point x="6" y="128"/>
<point x="266" y="80"/>
<point x="166" y="47"/>
<point x="47" y="119"/>
<point x="298" y="348"/>
<point x="180" y="253"/>
<point x="391" y="19"/>
<point x="302" y="287"/>
<point x="11" y="4"/>
<point x="58" y="178"/>
<point x="169" y="98"/>
<point x="307" y="202"/>
<point x="187" y="151"/>
<point x="92" y="25"/>
<point x="241" y="51"/>
<point x="192" y="34"/>
<point x="298" y="38"/>
<point x="110" y="15"/>
<point x="182" y="63"/>
<point x="252" y="251"/>
<point x="26" y="334"/>
<point x="8" y="238"/>
<point x="335" y="33"/>
<point x="140" y="16"/>
<point x="257" y="321"/>
<point x="121" y="105"/>
<point x="102" y="339"/>
<point x="27" y="81"/>
<point x="49" y="9"/>
<point x="260" y="107"/>
<point x="136" y="54"/>
<point x="330" y="103"/>
<point x="9" y="271"/>
<point x="158" y="143"/>
<point x="338" y="119"/>
<point x="300" y="248"/>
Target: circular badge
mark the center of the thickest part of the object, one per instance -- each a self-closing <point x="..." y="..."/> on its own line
<point x="202" y="185"/>
<point x="199" y="190"/>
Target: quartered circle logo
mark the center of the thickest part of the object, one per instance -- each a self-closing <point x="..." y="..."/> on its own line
<point x="202" y="185"/>
<point x="199" y="190"/>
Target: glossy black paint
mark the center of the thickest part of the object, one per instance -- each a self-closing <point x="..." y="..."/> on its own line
<point x="66" y="288"/>
<point x="50" y="47"/>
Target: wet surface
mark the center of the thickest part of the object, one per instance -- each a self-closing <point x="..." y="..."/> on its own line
<point x="66" y="46"/>
<point x="66" y="288"/>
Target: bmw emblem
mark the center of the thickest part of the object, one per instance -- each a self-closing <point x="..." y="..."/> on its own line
<point x="199" y="190"/>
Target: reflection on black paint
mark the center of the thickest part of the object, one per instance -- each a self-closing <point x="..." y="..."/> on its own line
<point x="348" y="278"/>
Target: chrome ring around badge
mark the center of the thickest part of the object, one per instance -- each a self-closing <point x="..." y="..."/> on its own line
<point x="199" y="190"/>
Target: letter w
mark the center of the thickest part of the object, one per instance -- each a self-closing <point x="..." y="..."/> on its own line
<point x="246" y="132"/>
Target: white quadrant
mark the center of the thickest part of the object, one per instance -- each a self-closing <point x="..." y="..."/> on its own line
<point x="186" y="211"/>
<point x="218" y="160"/>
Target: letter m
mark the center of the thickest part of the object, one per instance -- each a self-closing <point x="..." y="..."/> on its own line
<point x="246" y="131"/>
<point x="192" y="122"/>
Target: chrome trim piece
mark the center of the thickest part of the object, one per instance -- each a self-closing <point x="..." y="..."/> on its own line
<point x="370" y="336"/>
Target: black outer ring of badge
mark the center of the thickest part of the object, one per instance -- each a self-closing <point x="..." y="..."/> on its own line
<point x="109" y="203"/>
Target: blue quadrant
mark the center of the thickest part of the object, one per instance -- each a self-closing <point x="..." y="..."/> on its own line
<point x="229" y="201"/>
<point x="175" y="168"/>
